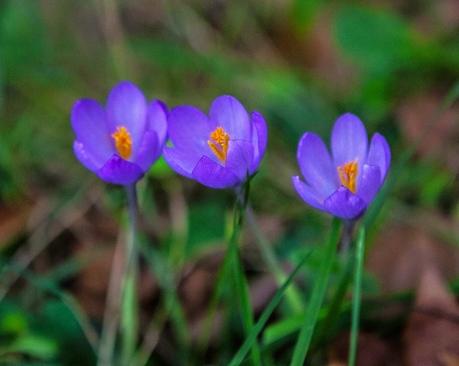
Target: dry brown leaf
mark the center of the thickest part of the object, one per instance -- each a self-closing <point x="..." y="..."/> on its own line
<point x="449" y="359"/>
<point x="92" y="282"/>
<point x="418" y="119"/>
<point x="401" y="253"/>
<point x="372" y="351"/>
<point x="432" y="334"/>
<point x="13" y="220"/>
<point x="195" y="291"/>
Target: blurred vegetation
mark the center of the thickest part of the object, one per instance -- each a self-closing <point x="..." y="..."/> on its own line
<point x="301" y="63"/>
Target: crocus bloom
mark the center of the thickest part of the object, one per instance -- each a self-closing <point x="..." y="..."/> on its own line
<point x="346" y="182"/>
<point x="220" y="150"/>
<point x="120" y="142"/>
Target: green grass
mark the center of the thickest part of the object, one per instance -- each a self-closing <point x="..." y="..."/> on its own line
<point x="317" y="296"/>
<point x="301" y="64"/>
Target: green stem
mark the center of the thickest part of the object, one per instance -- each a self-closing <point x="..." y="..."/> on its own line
<point x="231" y="268"/>
<point x="356" y="299"/>
<point x="129" y="321"/>
<point x="317" y="297"/>
<point x="241" y="287"/>
<point x="346" y="237"/>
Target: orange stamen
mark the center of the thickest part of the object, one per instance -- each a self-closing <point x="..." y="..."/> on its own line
<point x="348" y="175"/>
<point x="218" y="143"/>
<point x="123" y="142"/>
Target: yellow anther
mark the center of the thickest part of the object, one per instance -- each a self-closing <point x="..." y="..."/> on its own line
<point x="218" y="143"/>
<point x="348" y="175"/>
<point x="123" y="142"/>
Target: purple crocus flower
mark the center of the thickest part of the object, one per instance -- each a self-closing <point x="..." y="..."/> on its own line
<point x="345" y="183"/>
<point x="220" y="150"/>
<point x="120" y="142"/>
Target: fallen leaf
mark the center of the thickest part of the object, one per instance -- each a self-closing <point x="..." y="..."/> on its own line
<point x="372" y="351"/>
<point x="403" y="250"/>
<point x="432" y="333"/>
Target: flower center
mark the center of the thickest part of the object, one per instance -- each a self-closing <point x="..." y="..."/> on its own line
<point x="123" y="142"/>
<point x="218" y="143"/>
<point x="348" y="175"/>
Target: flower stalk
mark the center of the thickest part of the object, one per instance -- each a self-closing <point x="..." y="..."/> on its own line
<point x="231" y="269"/>
<point x="356" y="297"/>
<point x="129" y="319"/>
<point x="121" y="295"/>
<point x="346" y="237"/>
<point x="241" y="288"/>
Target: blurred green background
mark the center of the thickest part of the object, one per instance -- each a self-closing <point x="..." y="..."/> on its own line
<point x="299" y="62"/>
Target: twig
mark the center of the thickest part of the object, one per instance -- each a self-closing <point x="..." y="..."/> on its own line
<point x="112" y="307"/>
<point x="38" y="240"/>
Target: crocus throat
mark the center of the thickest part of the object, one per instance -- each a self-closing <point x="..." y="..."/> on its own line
<point x="348" y="175"/>
<point x="218" y="143"/>
<point x="123" y="142"/>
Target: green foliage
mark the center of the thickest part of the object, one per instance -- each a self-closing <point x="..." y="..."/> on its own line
<point x="317" y="296"/>
<point x="49" y="335"/>
<point x="22" y="38"/>
<point x="303" y="13"/>
<point x="377" y="40"/>
<point x="206" y="226"/>
<point x="301" y="63"/>
<point x="239" y="356"/>
<point x="57" y="322"/>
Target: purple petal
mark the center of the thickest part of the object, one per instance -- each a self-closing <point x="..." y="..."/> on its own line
<point x="120" y="171"/>
<point x="308" y="194"/>
<point x="239" y="161"/>
<point x="89" y="123"/>
<point x="349" y="140"/>
<point x="148" y="151"/>
<point x="316" y="165"/>
<point x="181" y="161"/>
<point x="214" y="175"/>
<point x="84" y="157"/>
<point x="189" y="129"/>
<point x="259" y="139"/>
<point x="227" y="112"/>
<point x="379" y="154"/>
<point x="157" y="119"/>
<point x="344" y="204"/>
<point x="369" y="183"/>
<point x="126" y="106"/>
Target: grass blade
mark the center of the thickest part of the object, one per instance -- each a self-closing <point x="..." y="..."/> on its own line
<point x="242" y="352"/>
<point x="356" y="298"/>
<point x="161" y="268"/>
<point x="47" y="286"/>
<point x="293" y="296"/>
<point x="317" y="296"/>
<point x="327" y="327"/>
<point x="241" y="289"/>
<point x="219" y="289"/>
